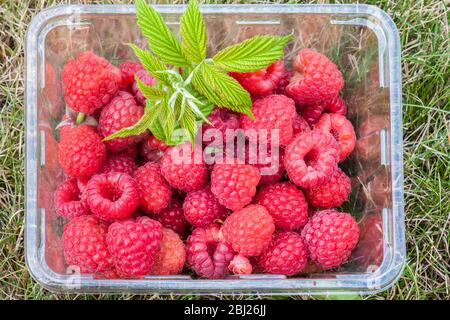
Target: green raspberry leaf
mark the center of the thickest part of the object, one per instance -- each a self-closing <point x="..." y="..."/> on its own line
<point x="152" y="64"/>
<point x="188" y="123"/>
<point x="221" y="89"/>
<point x="252" y="54"/>
<point x="149" y="92"/>
<point x="193" y="32"/>
<point x="161" y="40"/>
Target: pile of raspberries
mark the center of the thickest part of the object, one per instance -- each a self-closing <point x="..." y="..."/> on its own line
<point x="132" y="209"/>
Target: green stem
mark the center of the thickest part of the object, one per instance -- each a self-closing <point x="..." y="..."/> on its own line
<point x="80" y="118"/>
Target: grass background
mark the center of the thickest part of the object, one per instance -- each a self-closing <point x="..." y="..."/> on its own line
<point x="423" y="25"/>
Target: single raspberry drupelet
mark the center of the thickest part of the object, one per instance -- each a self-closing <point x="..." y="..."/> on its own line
<point x="240" y="265"/>
<point x="134" y="245"/>
<point x="249" y="230"/>
<point x="147" y="79"/>
<point x="207" y="256"/>
<point x="173" y="218"/>
<point x="262" y="82"/>
<point x="311" y="158"/>
<point x="275" y="112"/>
<point x="332" y="193"/>
<point x="287" y="254"/>
<point x="81" y="152"/>
<point x="341" y="129"/>
<point x="330" y="237"/>
<point x="89" y="82"/>
<point x="112" y="196"/>
<point x="201" y="208"/>
<point x="286" y="204"/>
<point x="121" y="112"/>
<point x="221" y="121"/>
<point x="68" y="202"/>
<point x="84" y="241"/>
<point x="234" y="185"/>
<point x="316" y="79"/>
<point x="119" y="163"/>
<point x="184" y="168"/>
<point x="155" y="192"/>
<point x="172" y="256"/>
<point x="127" y="71"/>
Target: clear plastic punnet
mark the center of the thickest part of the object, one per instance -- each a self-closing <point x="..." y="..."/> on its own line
<point x="361" y="39"/>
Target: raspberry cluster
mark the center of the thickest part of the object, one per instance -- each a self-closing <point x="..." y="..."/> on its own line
<point x="135" y="206"/>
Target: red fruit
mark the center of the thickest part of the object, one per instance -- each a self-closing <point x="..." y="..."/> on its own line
<point x="147" y="79"/>
<point x="173" y="218"/>
<point x="275" y="112"/>
<point x="234" y="185"/>
<point x="151" y="155"/>
<point x="84" y="241"/>
<point x="201" y="208"/>
<point x="316" y="79"/>
<point x="330" y="237"/>
<point x="172" y="256"/>
<point x="311" y="158"/>
<point x="81" y="152"/>
<point x="271" y="166"/>
<point x="262" y="82"/>
<point x="154" y="190"/>
<point x="312" y="112"/>
<point x="155" y="144"/>
<point x="127" y="71"/>
<point x="287" y="254"/>
<point x="134" y="245"/>
<point x="119" y="163"/>
<point x="112" y="196"/>
<point x="221" y="121"/>
<point x="67" y="200"/>
<point x="286" y="204"/>
<point x="300" y="125"/>
<point x="89" y="82"/>
<point x="207" y="256"/>
<point x="249" y="230"/>
<point x="332" y="193"/>
<point x="121" y="112"/>
<point x="281" y="89"/>
<point x="240" y="265"/>
<point x="336" y="105"/>
<point x="341" y="129"/>
<point x="184" y="168"/>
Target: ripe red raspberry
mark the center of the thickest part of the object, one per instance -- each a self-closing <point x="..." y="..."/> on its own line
<point x="134" y="245"/>
<point x="154" y="190"/>
<point x="312" y="112"/>
<point x="249" y="230"/>
<point x="112" y="196"/>
<point x="268" y="159"/>
<point x="155" y="144"/>
<point x="67" y="200"/>
<point x="262" y="82"/>
<point x="311" y="158"/>
<point x="84" y="241"/>
<point x="147" y="79"/>
<point x="207" y="256"/>
<point x="234" y="185"/>
<point x="317" y="78"/>
<point x="81" y="152"/>
<point x="330" y="237"/>
<point x="300" y="125"/>
<point x="221" y="121"/>
<point x="184" y="168"/>
<point x="341" y="129"/>
<point x="119" y="163"/>
<point x="336" y="105"/>
<point x="148" y="153"/>
<point x="287" y="254"/>
<point x="275" y="112"/>
<point x="286" y="204"/>
<point x="331" y="193"/>
<point x="201" y="208"/>
<point x="240" y="265"/>
<point x="172" y="256"/>
<point x="121" y="112"/>
<point x="127" y="71"/>
<point x="281" y="89"/>
<point x="89" y="82"/>
<point x="173" y="218"/>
